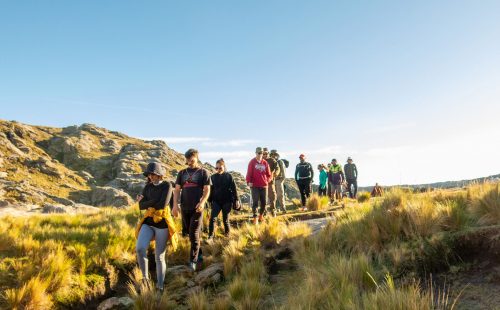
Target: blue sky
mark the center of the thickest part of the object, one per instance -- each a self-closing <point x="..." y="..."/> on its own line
<point x="409" y="89"/>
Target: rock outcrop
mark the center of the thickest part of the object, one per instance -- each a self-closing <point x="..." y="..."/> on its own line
<point x="60" y="168"/>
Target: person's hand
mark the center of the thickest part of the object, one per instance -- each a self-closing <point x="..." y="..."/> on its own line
<point x="200" y="206"/>
<point x="250" y="184"/>
<point x="175" y="211"/>
<point x="139" y="198"/>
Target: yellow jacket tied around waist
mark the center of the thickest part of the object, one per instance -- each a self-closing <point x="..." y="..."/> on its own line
<point x="157" y="216"/>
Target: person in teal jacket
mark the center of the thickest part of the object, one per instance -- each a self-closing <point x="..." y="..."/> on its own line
<point x="323" y="180"/>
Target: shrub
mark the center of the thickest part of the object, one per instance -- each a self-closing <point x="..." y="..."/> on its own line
<point x="364" y="196"/>
<point x="486" y="205"/>
<point x="316" y="202"/>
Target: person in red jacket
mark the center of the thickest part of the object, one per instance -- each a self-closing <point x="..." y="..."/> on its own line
<point x="258" y="177"/>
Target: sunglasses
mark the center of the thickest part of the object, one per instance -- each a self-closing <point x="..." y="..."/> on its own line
<point x="218" y="168"/>
<point x="259" y="153"/>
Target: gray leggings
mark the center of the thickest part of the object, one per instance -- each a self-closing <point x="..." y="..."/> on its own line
<point x="161" y="236"/>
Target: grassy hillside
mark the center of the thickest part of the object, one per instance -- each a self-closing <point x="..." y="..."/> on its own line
<point x="376" y="255"/>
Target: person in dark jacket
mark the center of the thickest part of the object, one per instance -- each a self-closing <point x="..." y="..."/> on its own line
<point x="351" y="175"/>
<point x="222" y="197"/>
<point x="193" y="186"/>
<point x="304" y="174"/>
<point x="154" y="198"/>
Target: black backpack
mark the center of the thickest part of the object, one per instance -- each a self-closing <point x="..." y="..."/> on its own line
<point x="285" y="162"/>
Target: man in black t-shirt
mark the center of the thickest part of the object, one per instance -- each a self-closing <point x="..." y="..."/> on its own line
<point x="193" y="185"/>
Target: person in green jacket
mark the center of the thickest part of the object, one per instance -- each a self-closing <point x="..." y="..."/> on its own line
<point x="323" y="180"/>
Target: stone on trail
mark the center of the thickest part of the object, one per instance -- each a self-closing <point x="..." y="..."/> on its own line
<point x="210" y="275"/>
<point x="116" y="303"/>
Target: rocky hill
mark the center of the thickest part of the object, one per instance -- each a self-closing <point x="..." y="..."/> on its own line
<point x="78" y="167"/>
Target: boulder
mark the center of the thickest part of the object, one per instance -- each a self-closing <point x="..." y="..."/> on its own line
<point x="210" y="275"/>
<point x="110" y="146"/>
<point x="56" y="208"/>
<point x="70" y="130"/>
<point x="93" y="129"/>
<point x="46" y="166"/>
<point x="83" y="208"/>
<point x="109" y="196"/>
<point x="116" y="303"/>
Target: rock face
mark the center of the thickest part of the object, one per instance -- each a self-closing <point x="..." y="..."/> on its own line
<point x="60" y="168"/>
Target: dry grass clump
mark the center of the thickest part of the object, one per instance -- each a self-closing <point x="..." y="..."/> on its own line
<point x="316" y="202"/>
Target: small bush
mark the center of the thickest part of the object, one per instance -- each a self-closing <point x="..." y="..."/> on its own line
<point x="486" y="205"/>
<point x="31" y="296"/>
<point x="316" y="202"/>
<point x="296" y="202"/>
<point x="364" y="196"/>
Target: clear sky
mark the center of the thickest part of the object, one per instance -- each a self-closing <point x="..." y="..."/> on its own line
<point x="409" y="89"/>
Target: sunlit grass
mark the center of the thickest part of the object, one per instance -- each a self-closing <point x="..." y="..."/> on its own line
<point x="370" y="257"/>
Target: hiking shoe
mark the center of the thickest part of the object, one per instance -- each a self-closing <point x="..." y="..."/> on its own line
<point x="192" y="266"/>
<point x="254" y="220"/>
<point x="261" y="218"/>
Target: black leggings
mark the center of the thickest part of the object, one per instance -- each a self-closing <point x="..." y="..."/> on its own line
<point x="304" y="189"/>
<point x="193" y="223"/>
<point x="216" y="209"/>
<point x="350" y="184"/>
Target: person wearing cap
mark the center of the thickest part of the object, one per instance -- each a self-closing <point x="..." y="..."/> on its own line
<point x="336" y="180"/>
<point x="351" y="175"/>
<point x="275" y="169"/>
<point x="193" y="186"/>
<point x="279" y="181"/>
<point x="304" y="175"/>
<point x="323" y="180"/>
<point x="157" y="223"/>
<point x="258" y="177"/>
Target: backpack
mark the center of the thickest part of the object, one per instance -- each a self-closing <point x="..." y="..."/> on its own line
<point x="286" y="162"/>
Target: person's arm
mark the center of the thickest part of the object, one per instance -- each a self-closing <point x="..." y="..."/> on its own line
<point x="145" y="202"/>
<point x="207" y="183"/>
<point x="268" y="172"/>
<point x="312" y="172"/>
<point x="355" y="172"/>
<point x="165" y="197"/>
<point x="296" y="173"/>
<point x="249" y="177"/>
<point x="278" y="168"/>
<point x="177" y="193"/>
<point x="210" y="198"/>
<point x="206" y="193"/>
<point x="234" y="190"/>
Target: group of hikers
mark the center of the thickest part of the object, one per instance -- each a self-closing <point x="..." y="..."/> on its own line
<point x="195" y="188"/>
<point x="266" y="176"/>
